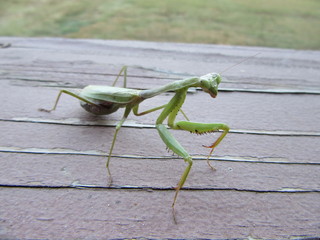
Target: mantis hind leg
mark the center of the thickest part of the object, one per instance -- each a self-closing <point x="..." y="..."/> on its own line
<point x="124" y="71"/>
<point x="58" y="98"/>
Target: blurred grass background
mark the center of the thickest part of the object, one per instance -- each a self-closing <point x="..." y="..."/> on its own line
<point x="271" y="23"/>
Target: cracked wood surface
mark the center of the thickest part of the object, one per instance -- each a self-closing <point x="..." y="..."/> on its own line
<point x="53" y="178"/>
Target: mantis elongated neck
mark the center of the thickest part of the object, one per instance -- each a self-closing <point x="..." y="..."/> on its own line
<point x="174" y="86"/>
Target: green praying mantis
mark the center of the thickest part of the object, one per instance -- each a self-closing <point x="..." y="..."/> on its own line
<point x="102" y="100"/>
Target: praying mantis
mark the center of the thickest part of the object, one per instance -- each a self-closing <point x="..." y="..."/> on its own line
<point x="103" y="100"/>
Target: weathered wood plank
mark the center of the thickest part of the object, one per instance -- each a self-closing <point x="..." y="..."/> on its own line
<point x="75" y="213"/>
<point x="146" y="142"/>
<point x="253" y="111"/>
<point x="68" y="170"/>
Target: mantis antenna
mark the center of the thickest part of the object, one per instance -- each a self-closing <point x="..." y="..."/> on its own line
<point x="236" y="64"/>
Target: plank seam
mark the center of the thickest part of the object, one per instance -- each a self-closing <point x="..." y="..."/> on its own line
<point x="55" y="151"/>
<point x="134" y="124"/>
<point x="150" y="188"/>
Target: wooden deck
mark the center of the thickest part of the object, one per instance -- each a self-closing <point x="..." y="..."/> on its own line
<point x="53" y="177"/>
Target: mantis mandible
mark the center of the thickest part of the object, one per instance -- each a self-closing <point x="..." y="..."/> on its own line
<point x="102" y="100"/>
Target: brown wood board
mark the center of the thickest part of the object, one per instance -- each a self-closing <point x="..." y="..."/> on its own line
<point x="53" y="178"/>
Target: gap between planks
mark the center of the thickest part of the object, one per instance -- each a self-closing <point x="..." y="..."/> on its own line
<point x="134" y="124"/>
<point x="150" y="188"/>
<point x="64" y="151"/>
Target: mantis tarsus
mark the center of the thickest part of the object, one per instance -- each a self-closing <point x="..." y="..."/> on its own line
<point x="102" y="100"/>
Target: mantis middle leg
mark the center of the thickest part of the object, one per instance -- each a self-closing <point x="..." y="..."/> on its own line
<point x="125" y="115"/>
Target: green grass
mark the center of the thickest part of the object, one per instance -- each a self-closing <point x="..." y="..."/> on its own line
<point x="271" y="23"/>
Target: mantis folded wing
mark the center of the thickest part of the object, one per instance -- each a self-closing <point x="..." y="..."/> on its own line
<point x="101" y="100"/>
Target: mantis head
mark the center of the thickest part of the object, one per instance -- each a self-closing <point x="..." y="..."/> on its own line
<point x="209" y="83"/>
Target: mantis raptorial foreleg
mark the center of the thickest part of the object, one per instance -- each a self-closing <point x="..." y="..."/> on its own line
<point x="170" y="111"/>
<point x="200" y="128"/>
<point x="176" y="147"/>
